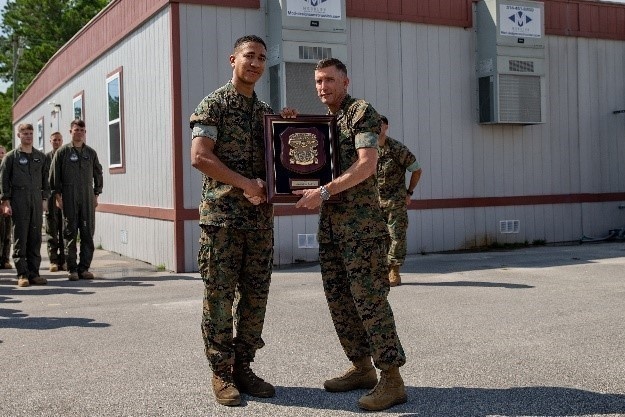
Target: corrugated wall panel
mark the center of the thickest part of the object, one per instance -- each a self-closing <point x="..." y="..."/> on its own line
<point x="585" y="18"/>
<point x="442" y="12"/>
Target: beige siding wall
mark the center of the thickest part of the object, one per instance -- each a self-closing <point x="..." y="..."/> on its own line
<point x="207" y="37"/>
<point x="147" y="239"/>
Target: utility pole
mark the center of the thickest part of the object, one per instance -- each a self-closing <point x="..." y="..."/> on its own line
<point x="17" y="53"/>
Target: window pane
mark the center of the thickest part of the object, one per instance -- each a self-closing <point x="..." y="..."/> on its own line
<point x="39" y="144"/>
<point x="78" y="109"/>
<point x="115" y="145"/>
<point x="113" y="94"/>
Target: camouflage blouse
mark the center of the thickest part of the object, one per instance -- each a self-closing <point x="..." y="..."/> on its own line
<point x="240" y="146"/>
<point x="358" y="215"/>
<point x="393" y="161"/>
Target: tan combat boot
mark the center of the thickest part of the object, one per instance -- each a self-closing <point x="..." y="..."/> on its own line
<point x="390" y="391"/>
<point x="22" y="281"/>
<point x="360" y="376"/>
<point x="250" y="383"/>
<point x="39" y="281"/>
<point x="394" y="278"/>
<point x="87" y="275"/>
<point x="226" y="393"/>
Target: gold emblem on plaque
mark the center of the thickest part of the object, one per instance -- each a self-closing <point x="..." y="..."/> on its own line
<point x="303" y="149"/>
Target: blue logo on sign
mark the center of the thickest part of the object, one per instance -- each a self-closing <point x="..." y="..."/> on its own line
<point x="520" y="18"/>
<point x="315" y="3"/>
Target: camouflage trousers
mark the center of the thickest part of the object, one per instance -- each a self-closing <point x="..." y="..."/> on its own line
<point x="235" y="266"/>
<point x="397" y="224"/>
<point x="355" y="281"/>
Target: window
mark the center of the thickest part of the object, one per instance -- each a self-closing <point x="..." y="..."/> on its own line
<point x="39" y="141"/>
<point x="115" y="125"/>
<point x="79" y="109"/>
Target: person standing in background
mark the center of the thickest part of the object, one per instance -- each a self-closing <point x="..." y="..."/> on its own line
<point x="5" y="231"/>
<point x="76" y="180"/>
<point x="24" y="193"/>
<point x="394" y="159"/>
<point x="54" y="217"/>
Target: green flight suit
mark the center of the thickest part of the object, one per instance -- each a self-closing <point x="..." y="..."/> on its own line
<point x="54" y="226"/>
<point x="24" y="181"/>
<point x="76" y="174"/>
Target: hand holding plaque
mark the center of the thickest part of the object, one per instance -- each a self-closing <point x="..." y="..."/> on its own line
<point x="301" y="153"/>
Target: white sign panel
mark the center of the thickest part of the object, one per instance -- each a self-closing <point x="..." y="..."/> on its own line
<point x="314" y="9"/>
<point x="520" y="21"/>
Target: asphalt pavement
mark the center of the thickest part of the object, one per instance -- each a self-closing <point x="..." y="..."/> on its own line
<point x="536" y="331"/>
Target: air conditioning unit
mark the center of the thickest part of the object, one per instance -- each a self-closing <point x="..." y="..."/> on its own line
<point x="301" y="32"/>
<point x="511" y="62"/>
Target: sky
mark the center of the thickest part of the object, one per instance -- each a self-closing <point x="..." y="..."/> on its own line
<point x="3" y="85"/>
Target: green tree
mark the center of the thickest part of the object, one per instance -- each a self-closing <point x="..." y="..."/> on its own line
<point x="31" y="33"/>
<point x="6" y="127"/>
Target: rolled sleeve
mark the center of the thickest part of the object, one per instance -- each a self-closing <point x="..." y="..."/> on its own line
<point x="205" y="131"/>
<point x="413" y="167"/>
<point x="366" y="140"/>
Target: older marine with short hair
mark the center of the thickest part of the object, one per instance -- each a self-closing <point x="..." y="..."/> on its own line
<point x="353" y="242"/>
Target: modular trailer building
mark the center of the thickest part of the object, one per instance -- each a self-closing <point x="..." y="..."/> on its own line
<point x="496" y="168"/>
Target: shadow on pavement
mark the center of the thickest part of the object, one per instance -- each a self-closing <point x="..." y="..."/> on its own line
<point x="470" y="284"/>
<point x="18" y="321"/>
<point x="531" y="257"/>
<point x="466" y="402"/>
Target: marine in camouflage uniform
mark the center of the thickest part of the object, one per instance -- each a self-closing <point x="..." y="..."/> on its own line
<point x="25" y="187"/>
<point x="76" y="180"/>
<point x="394" y="159"/>
<point x="236" y="244"/>
<point x="353" y="242"/>
<point x="236" y="252"/>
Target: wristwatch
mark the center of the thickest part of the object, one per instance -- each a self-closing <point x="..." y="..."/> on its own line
<point x="324" y="193"/>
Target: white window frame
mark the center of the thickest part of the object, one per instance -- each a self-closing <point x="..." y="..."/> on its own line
<point x="39" y="132"/>
<point x="78" y="98"/>
<point x="117" y="166"/>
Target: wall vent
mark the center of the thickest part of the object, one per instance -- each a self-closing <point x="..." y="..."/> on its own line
<point x="314" y="52"/>
<point x="509" y="226"/>
<point x="520" y="66"/>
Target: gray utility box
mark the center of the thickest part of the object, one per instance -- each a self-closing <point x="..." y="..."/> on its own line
<point x="511" y="62"/>
<point x="300" y="34"/>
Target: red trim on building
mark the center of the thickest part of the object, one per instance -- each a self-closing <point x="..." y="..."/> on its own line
<point x="585" y="19"/>
<point x="442" y="203"/>
<point x="156" y="213"/>
<point x="530" y="200"/>
<point x="435" y="12"/>
<point x="176" y="149"/>
<point x="247" y="4"/>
